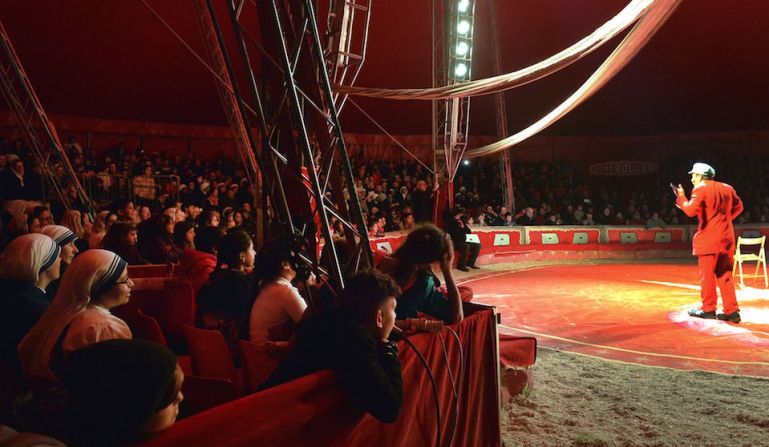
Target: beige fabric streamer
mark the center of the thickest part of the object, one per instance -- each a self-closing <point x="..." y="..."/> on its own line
<point x="625" y="18"/>
<point x="627" y="49"/>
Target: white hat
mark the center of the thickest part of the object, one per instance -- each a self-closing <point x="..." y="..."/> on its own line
<point x="703" y="169"/>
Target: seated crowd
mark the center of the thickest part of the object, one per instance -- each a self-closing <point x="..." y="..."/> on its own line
<point x="63" y="274"/>
<point x="67" y="351"/>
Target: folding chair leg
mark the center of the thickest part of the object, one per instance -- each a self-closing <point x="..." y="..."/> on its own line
<point x="742" y="282"/>
<point x="766" y="279"/>
<point x="755" y="275"/>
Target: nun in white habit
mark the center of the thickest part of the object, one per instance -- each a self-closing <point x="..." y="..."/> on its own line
<point x="27" y="265"/>
<point x="79" y="316"/>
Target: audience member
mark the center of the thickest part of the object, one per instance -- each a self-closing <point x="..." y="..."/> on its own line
<point x="468" y="251"/>
<point x="655" y="221"/>
<point x="122" y="239"/>
<point x="65" y="239"/>
<point x="122" y="392"/>
<point x="278" y="302"/>
<point x="79" y="316"/>
<point x="27" y="265"/>
<point x="411" y="267"/>
<point x="184" y="235"/>
<point x="73" y="219"/>
<point x="353" y="341"/>
<point x="225" y="300"/>
<point x="158" y="247"/>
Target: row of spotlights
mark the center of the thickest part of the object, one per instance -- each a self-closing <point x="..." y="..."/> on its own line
<point x="460" y="70"/>
<point x="462" y="48"/>
<point x="463" y="27"/>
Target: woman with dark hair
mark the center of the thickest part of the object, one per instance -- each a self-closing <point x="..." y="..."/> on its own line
<point x="184" y="235"/>
<point x="210" y="218"/>
<point x="159" y="248"/>
<point x="121" y="238"/>
<point x="224" y="301"/>
<point x="278" y="302"/>
<point x="411" y="267"/>
<point x="121" y="392"/>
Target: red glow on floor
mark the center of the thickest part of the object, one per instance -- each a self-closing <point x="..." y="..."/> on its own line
<point x="629" y="312"/>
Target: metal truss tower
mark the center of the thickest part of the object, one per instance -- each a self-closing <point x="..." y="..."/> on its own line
<point x="452" y="28"/>
<point x="302" y="156"/>
<point x="506" y="162"/>
<point x="38" y="131"/>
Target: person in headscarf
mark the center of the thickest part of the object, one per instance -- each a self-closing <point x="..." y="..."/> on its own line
<point x="73" y="219"/>
<point x="97" y="230"/>
<point x="27" y="265"/>
<point x="121" y="391"/>
<point x="65" y="239"/>
<point x="79" y="316"/>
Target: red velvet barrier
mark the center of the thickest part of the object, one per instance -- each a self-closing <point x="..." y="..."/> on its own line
<point x="517" y="351"/>
<point x="558" y="237"/>
<point x="315" y="410"/>
<point x="634" y="235"/>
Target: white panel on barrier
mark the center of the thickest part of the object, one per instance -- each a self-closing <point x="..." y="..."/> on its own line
<point x="663" y="237"/>
<point x="385" y="247"/>
<point x="471" y="237"/>
<point x="628" y="238"/>
<point x="550" y="238"/>
<point x="579" y="238"/>
<point x="501" y="239"/>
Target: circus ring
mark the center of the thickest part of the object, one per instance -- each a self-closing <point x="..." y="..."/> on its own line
<point x="618" y="293"/>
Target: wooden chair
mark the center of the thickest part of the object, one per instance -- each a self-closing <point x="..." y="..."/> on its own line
<point x="758" y="257"/>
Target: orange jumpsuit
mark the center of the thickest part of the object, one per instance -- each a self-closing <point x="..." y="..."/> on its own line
<point x="715" y="204"/>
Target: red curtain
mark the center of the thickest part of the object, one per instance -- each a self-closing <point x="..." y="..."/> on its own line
<point x="315" y="410"/>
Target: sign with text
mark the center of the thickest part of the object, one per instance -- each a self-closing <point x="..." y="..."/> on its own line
<point x="624" y="168"/>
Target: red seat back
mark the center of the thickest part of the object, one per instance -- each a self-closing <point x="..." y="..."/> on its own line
<point x="150" y="270"/>
<point x="210" y="355"/>
<point x="142" y="326"/>
<point x="258" y="363"/>
<point x="171" y="302"/>
<point x="203" y="393"/>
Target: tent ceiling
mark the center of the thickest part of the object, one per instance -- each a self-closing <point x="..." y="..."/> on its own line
<point x="704" y="71"/>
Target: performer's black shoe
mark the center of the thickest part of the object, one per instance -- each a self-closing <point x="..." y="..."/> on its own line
<point x="474" y="267"/>
<point x="734" y="317"/>
<point x="699" y="313"/>
<point x="463" y="268"/>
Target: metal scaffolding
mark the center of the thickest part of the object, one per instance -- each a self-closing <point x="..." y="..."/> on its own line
<point x="506" y="162"/>
<point x="39" y="132"/>
<point x="302" y="156"/>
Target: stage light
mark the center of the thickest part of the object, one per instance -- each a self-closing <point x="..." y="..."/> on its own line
<point x="463" y="27"/>
<point x="462" y="48"/>
<point x="460" y="70"/>
<point x="463" y="5"/>
<point x="466" y="162"/>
